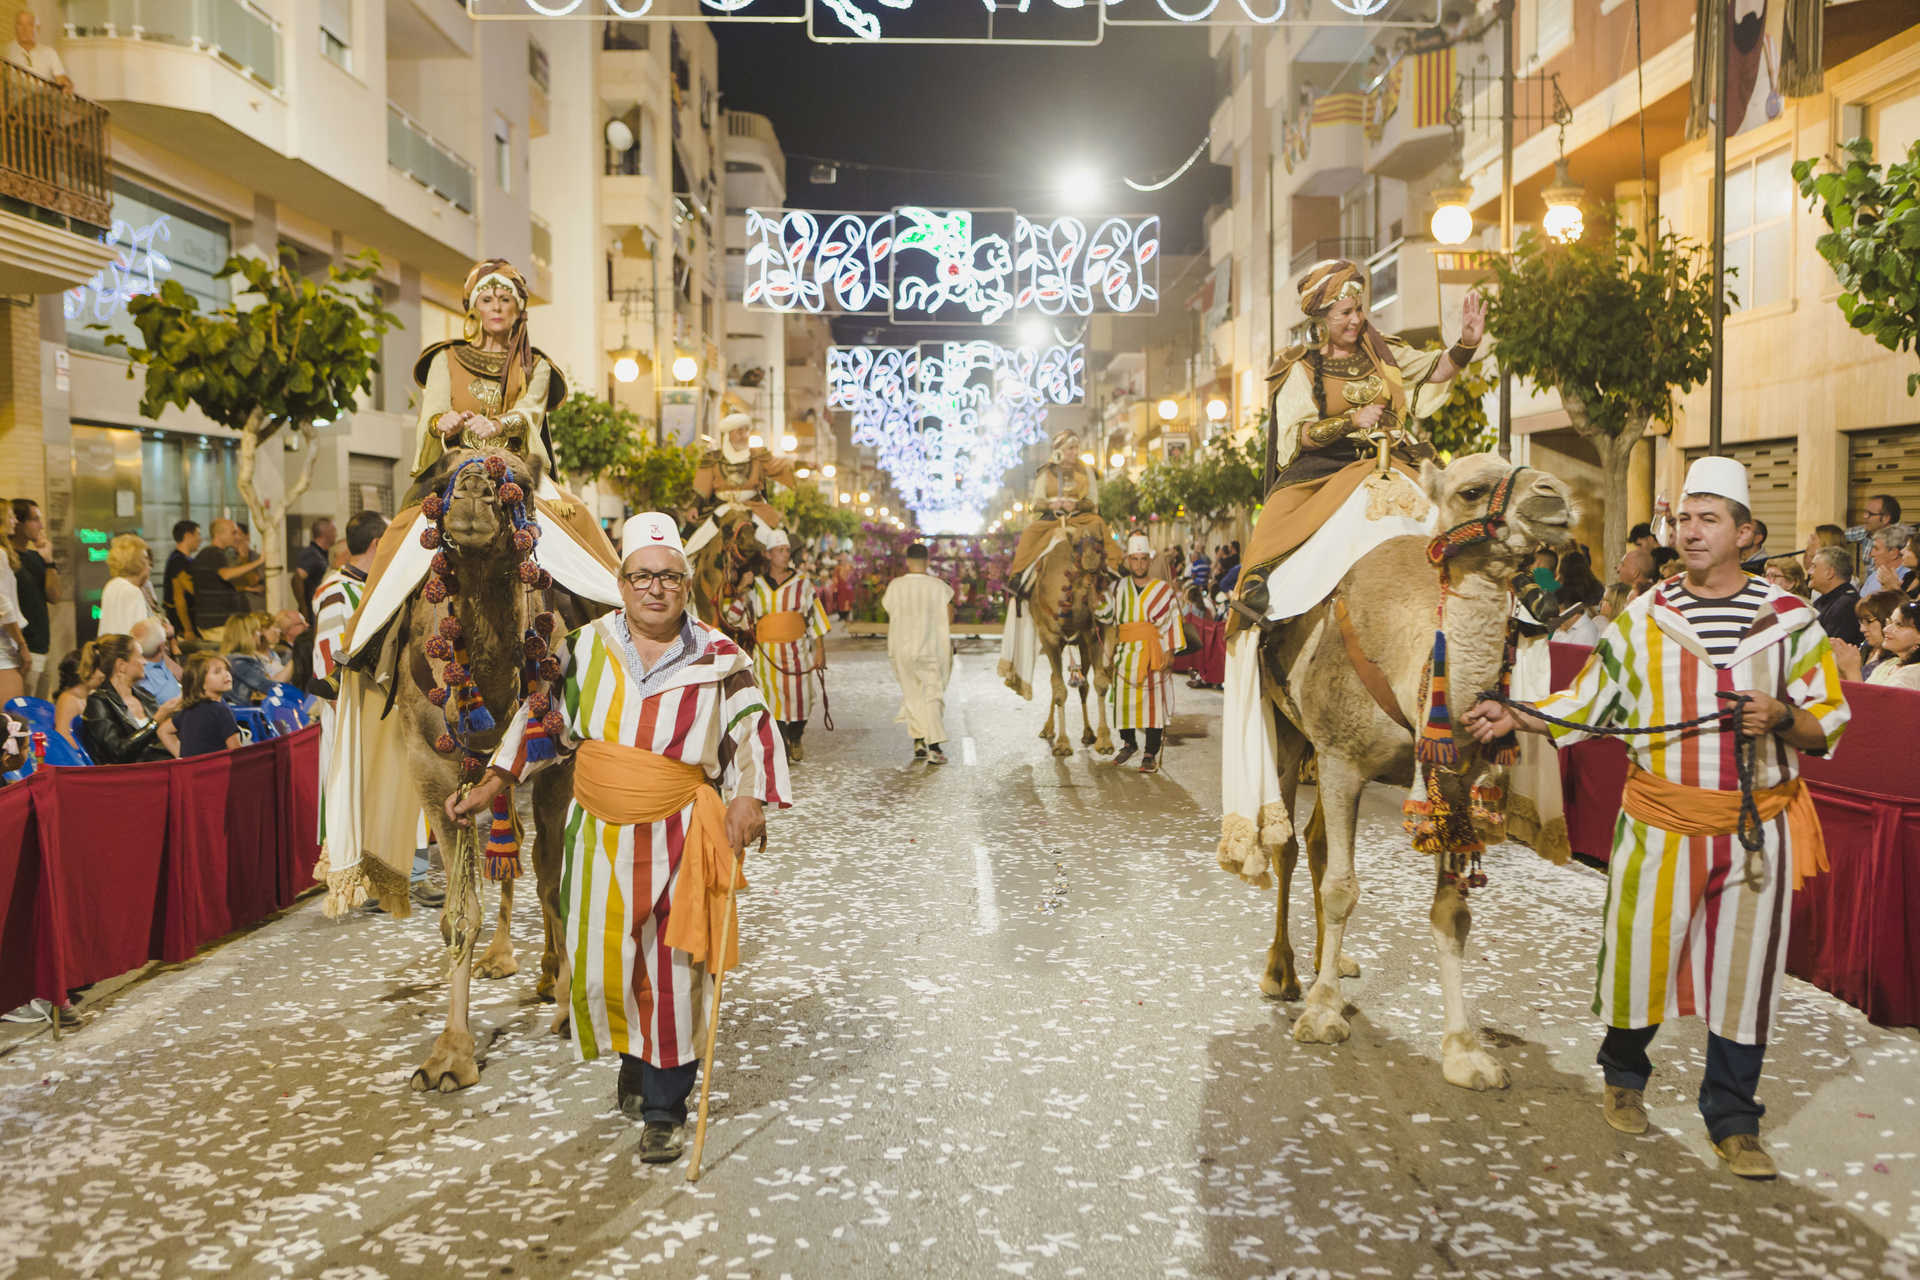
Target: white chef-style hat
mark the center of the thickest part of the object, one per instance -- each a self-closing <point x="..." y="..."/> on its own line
<point x="771" y="538"/>
<point x="651" y="529"/>
<point x="1719" y="478"/>
<point x="1137" y="545"/>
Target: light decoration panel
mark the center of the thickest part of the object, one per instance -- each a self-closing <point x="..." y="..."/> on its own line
<point x="948" y="420"/>
<point x="972" y="21"/>
<point x="138" y="267"/>
<point x="921" y="266"/>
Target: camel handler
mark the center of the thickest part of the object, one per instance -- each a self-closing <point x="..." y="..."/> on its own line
<point x="1695" y="923"/>
<point x="1062" y="499"/>
<point x="663" y="719"/>
<point x="1147" y="615"/>
<point x="920" y="646"/>
<point x="789" y="637"/>
<point x="733" y="478"/>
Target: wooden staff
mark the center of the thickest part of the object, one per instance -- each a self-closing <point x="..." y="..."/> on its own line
<point x="713" y="1017"/>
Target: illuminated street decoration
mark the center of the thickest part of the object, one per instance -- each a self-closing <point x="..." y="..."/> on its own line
<point x="918" y="265"/>
<point x="137" y="269"/>
<point x="966" y="21"/>
<point x="948" y="420"/>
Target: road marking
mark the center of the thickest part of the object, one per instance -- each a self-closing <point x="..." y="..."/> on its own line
<point x="985" y="900"/>
<point x="967" y="754"/>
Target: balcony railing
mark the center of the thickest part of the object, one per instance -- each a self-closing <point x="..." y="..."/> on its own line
<point x="542" y="243"/>
<point x="53" y="148"/>
<point x="1352" y="248"/>
<point x="429" y="162"/>
<point x="1383" y="275"/>
<point x="538" y="67"/>
<point x="235" y="32"/>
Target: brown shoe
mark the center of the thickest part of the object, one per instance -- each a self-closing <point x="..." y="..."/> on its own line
<point x="1625" y="1109"/>
<point x="1745" y="1157"/>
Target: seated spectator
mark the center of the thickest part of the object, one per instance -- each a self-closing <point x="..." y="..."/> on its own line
<point x="1901" y="667"/>
<point x="77" y="679"/>
<point x="1884" y="547"/>
<point x="1666" y="563"/>
<point x="120" y="727"/>
<point x="1827" y="535"/>
<point x="1909" y="563"/>
<point x="16" y="743"/>
<point x="1835" y="598"/>
<point x="1789" y="577"/>
<point x="204" y="722"/>
<point x="1635" y="569"/>
<point x="244" y="643"/>
<point x="1874" y="612"/>
<point x="1580" y="596"/>
<point x="161" y="683"/>
<point x="1618" y="596"/>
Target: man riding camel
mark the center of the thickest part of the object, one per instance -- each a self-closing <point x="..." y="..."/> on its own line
<point x="733" y="478"/>
<point x="1063" y="511"/>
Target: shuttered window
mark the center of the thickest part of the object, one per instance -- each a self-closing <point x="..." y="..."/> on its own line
<point x="1883" y="461"/>
<point x="1772" y="468"/>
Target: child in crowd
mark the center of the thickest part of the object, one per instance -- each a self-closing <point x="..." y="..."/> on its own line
<point x="204" y="722"/>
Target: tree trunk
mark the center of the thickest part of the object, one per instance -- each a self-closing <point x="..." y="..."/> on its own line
<point x="269" y="537"/>
<point x="1616" y="456"/>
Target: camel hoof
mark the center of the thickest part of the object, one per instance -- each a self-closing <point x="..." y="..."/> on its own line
<point x="1063" y="748"/>
<point x="562" y="1021"/>
<point x="1464" y="1063"/>
<point x="1045" y="734"/>
<point x="496" y="966"/>
<point x="1086" y="739"/>
<point x="1104" y="746"/>
<point x="543" y="989"/>
<point x="1278" y="988"/>
<point x="450" y="1066"/>
<point x="1321" y="1022"/>
<point x="1349" y="967"/>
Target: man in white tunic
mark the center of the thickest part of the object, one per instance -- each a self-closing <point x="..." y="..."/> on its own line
<point x="919" y="644"/>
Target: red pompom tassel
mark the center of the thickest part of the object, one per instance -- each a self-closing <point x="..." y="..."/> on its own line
<point x="430" y="537"/>
<point x="439" y="648"/>
<point x="435" y="591"/>
<point x="497" y="467"/>
<point x="512" y="494"/>
<point x="445" y="744"/>
<point x="450" y="628"/>
<point x="438" y="697"/>
<point x="431" y="507"/>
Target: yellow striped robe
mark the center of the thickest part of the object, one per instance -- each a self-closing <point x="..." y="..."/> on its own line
<point x="1684" y="934"/>
<point x="784" y="672"/>
<point x="632" y="993"/>
<point x="1140" y="699"/>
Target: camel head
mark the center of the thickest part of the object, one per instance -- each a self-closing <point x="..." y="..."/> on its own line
<point x="476" y="521"/>
<point x="1539" y="509"/>
<point x="1090" y="554"/>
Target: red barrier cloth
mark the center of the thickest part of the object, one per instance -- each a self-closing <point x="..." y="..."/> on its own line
<point x="1209" y="658"/>
<point x="105" y="868"/>
<point x="1592" y="774"/>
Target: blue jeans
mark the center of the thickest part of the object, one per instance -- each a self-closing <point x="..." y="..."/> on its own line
<point x="1727" y="1103"/>
<point x="663" y="1090"/>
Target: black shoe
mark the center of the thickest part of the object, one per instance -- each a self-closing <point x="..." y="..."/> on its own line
<point x="919" y="749"/>
<point x="936" y="755"/>
<point x="1125" y="753"/>
<point x="428" y="896"/>
<point x="1150" y="764"/>
<point x="659" y="1142"/>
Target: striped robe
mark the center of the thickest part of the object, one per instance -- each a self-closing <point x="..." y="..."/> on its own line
<point x="334" y="601"/>
<point x="631" y="993"/>
<point x="1141" y="699"/>
<point x="1684" y="934"/>
<point x="784" y="672"/>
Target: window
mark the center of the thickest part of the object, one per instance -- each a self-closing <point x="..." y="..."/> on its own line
<point x="503" y="153"/>
<point x="1553" y="29"/>
<point x="156" y="239"/>
<point x="1760" y="230"/>
<point x="626" y="37"/>
<point x="336" y="32"/>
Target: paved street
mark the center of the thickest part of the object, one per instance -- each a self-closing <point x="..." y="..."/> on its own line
<point x="999" y="1017"/>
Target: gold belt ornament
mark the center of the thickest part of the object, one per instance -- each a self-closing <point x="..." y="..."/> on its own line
<point x="1365" y="390"/>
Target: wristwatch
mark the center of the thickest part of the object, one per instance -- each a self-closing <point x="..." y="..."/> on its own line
<point x="1785" y="722"/>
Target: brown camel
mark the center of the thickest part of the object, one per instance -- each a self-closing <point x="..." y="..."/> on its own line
<point x="720" y="567"/>
<point x="493" y="608"/>
<point x="1327" y="713"/>
<point x="1068" y="584"/>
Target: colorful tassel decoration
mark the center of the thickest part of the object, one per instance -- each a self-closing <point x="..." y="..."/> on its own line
<point x="1436" y="746"/>
<point x="1506" y="750"/>
<point x="503" y="841"/>
<point x="474" y="716"/>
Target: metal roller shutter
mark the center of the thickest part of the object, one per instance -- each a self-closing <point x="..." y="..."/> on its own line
<point x="1883" y="461"/>
<point x="369" y="484"/>
<point x="1773" y="468"/>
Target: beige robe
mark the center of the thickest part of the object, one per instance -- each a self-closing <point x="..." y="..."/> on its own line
<point x="920" y="646"/>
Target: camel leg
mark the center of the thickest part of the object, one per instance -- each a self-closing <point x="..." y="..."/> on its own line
<point x="1053" y="661"/>
<point x="1280" y="980"/>
<point x="1462" y="1061"/>
<point x="1101" y="678"/>
<point x="1062" y="746"/>
<point x="498" y="960"/>
<point x="1324" y="1020"/>
<point x="451" y="1063"/>
<point x="1317" y="865"/>
<point x="1086" y="723"/>
<point x="552" y="791"/>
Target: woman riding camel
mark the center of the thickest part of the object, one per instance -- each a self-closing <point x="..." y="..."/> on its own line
<point x="1333" y="405"/>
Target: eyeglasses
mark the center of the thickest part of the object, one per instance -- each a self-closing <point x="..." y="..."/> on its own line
<point x="668" y="580"/>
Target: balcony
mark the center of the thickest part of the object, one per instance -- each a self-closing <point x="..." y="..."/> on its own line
<point x="429" y="162"/>
<point x="1407" y="130"/>
<point x="54" y="192"/>
<point x="238" y="34"/>
<point x="539" y="87"/>
<point x="1220" y="234"/>
<point x="1405" y="290"/>
<point x="1323" y="148"/>
<point x="1352" y="248"/>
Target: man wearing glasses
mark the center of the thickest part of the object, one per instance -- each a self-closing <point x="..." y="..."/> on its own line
<point x="662" y="718"/>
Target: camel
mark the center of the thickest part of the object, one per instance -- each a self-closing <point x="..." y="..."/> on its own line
<point x="720" y="567"/>
<point x="1072" y="579"/>
<point x="1327" y="714"/>
<point x="493" y="607"/>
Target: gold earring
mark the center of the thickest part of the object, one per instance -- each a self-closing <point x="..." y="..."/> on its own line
<point x="472" y="328"/>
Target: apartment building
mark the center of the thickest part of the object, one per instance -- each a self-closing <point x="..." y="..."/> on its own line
<point x="756" y="177"/>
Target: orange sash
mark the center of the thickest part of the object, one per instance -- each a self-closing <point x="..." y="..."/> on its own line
<point x="1702" y="811"/>
<point x="630" y="786"/>
<point x="1145" y="633"/>
<point x="784" y="627"/>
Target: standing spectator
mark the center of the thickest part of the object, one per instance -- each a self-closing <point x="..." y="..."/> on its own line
<point x="1835" y="597"/>
<point x="39" y="586"/>
<point x="311" y="564"/>
<point x="1580" y="594"/>
<point x="337" y="598"/>
<point x="125" y="600"/>
<point x="1666" y="563"/>
<point x="1635" y="569"/>
<point x="245" y="644"/>
<point x="176" y="583"/>
<point x="1883" y="509"/>
<point x="1546" y="566"/>
<point x="204" y="722"/>
<point x="1229" y="574"/>
<point x="288" y="626"/>
<point x="1884" y="546"/>
<point x="121" y="727"/>
<point x="215" y="570"/>
<point x="1642" y="536"/>
<point x="14" y="657"/>
<point x="1616" y="598"/>
<point x="1200" y="571"/>
<point x="1751" y="546"/>
<point x="1827" y="535"/>
<point x="27" y="53"/>
<point x="252" y="585"/>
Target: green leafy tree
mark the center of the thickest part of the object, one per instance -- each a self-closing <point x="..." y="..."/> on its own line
<point x="1459" y="426"/>
<point x="658" y="476"/>
<point x="1616" y="327"/>
<point x="593" y="437"/>
<point x="288" y="353"/>
<point x="809" y="515"/>
<point x="1874" y="242"/>
<point x="1119" y="500"/>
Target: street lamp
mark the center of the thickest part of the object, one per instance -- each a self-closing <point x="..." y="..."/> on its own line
<point x="802" y="472"/>
<point x="755" y="441"/>
<point x="865" y="496"/>
<point x="1117" y="460"/>
<point x="846" y="499"/>
<point x="1087" y="459"/>
<point x="1563" y="221"/>
<point x="1216" y="410"/>
<point x="685" y="369"/>
<point x="1079" y="188"/>
<point x="1452" y="221"/>
<point x="626" y="366"/>
<point x="883" y="511"/>
<point x="1169" y="410"/>
<point x="789" y="442"/>
<point x="828" y="471"/>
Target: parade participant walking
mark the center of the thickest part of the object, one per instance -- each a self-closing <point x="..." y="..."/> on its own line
<point x="1696" y="919"/>
<point x="1147" y="615"/>
<point x="789" y="638"/>
<point x="662" y="717"/>
<point x="920" y="646"/>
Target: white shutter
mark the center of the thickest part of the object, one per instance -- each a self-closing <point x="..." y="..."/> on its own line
<point x="336" y="19"/>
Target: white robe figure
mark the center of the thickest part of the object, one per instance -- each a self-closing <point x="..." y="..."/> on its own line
<point x="920" y="646"/>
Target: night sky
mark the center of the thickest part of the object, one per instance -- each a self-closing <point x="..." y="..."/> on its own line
<point x="995" y="126"/>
